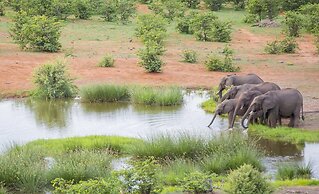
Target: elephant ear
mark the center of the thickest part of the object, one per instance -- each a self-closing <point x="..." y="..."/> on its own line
<point x="229" y="81"/>
<point x="268" y="104"/>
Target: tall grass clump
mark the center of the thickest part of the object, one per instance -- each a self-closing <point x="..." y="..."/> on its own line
<point x="107" y="61"/>
<point x="23" y="170"/>
<point x="104" y="93"/>
<point x="53" y="81"/>
<point x="80" y="165"/>
<point x="162" y="96"/>
<point x="294" y="171"/>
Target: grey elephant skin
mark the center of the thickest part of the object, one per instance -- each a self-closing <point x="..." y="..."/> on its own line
<point x="227" y="107"/>
<point x="236" y="91"/>
<point x="236" y="80"/>
<point x="286" y="103"/>
<point x="247" y="97"/>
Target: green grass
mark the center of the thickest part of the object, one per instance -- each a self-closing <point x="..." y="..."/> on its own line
<point x="104" y="93"/>
<point x="163" y="96"/>
<point x="59" y="146"/>
<point x="285" y="134"/>
<point x="294" y="171"/>
<point x="209" y="105"/>
<point x="296" y="182"/>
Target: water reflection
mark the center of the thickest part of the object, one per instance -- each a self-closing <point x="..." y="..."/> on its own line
<point x="52" y="114"/>
<point x="103" y="107"/>
<point x="144" y="109"/>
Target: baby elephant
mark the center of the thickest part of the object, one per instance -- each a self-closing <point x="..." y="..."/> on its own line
<point x="227" y="106"/>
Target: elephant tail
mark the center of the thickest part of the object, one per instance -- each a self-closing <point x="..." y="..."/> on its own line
<point x="302" y="116"/>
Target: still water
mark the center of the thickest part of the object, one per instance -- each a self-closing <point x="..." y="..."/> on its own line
<point x="25" y="120"/>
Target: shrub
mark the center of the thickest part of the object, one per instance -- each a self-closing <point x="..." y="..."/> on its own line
<point x="118" y="10"/>
<point x="294" y="171"/>
<point x="197" y="182"/>
<point x="107" y="61"/>
<point x="109" y="11"/>
<point x="202" y="25"/>
<point x="239" y="4"/>
<point x="184" y="23"/>
<point x="189" y="56"/>
<point x="168" y="9"/>
<point x="214" y="5"/>
<point x="311" y="15"/>
<point x="142" y="177"/>
<point x="191" y="3"/>
<point x="273" y="47"/>
<point x="82" y="9"/>
<point x="37" y="32"/>
<point x="110" y="185"/>
<point x="289" y="45"/>
<point x="2" y="8"/>
<point x="151" y="28"/>
<point x="150" y="59"/>
<point x="221" y="31"/>
<point x="292" y="5"/>
<point x="293" y="24"/>
<point x="263" y="8"/>
<point x="104" y="93"/>
<point x="251" y="18"/>
<point x="52" y="81"/>
<point x="214" y="63"/>
<point x="247" y="180"/>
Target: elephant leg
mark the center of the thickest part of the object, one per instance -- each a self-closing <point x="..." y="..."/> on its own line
<point x="230" y="116"/>
<point x="292" y="121"/>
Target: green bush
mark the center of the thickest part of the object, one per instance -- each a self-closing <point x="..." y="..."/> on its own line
<point x="52" y="81"/>
<point x="292" y="5"/>
<point x="202" y="25"/>
<point x="104" y="93"/>
<point x="273" y="47"/>
<point x="82" y="9"/>
<point x="107" y="61"/>
<point x="239" y="4"/>
<point x="38" y="33"/>
<point x="248" y="180"/>
<point x="214" y="5"/>
<point x="189" y="56"/>
<point x="294" y="171"/>
<point x="191" y="3"/>
<point x="251" y="19"/>
<point x="197" y="182"/>
<point x="142" y="177"/>
<point x="287" y="45"/>
<point x="150" y="60"/>
<point x="110" y="185"/>
<point x="168" y="9"/>
<point x="311" y="15"/>
<point x="2" y="8"/>
<point x="215" y="63"/>
<point x="293" y="24"/>
<point x="151" y="28"/>
<point x="118" y="10"/>
<point x="221" y="31"/>
<point x="184" y="23"/>
<point x="263" y="8"/>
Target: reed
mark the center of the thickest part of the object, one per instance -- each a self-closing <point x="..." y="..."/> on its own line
<point x="294" y="171"/>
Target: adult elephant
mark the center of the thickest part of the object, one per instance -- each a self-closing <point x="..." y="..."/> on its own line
<point x="227" y="107"/>
<point x="236" y="91"/>
<point x="236" y="80"/>
<point x="286" y="103"/>
<point x="247" y="97"/>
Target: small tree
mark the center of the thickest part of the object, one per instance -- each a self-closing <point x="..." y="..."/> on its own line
<point x="53" y="81"/>
<point x="191" y="3"/>
<point x="293" y="23"/>
<point x="202" y="25"/>
<point x="263" y="8"/>
<point x="221" y="31"/>
<point x="184" y="24"/>
<point x="167" y="8"/>
<point x="82" y="9"/>
<point x="125" y="9"/>
<point x="214" y="5"/>
<point x="311" y="15"/>
<point x="150" y="59"/>
<point x="1" y="8"/>
<point x="248" y="180"/>
<point x="38" y="33"/>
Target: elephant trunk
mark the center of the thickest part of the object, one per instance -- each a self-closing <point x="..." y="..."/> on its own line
<point x="226" y="96"/>
<point x="244" y="118"/>
<point x="219" y="93"/>
<point x="212" y="119"/>
<point x="238" y="106"/>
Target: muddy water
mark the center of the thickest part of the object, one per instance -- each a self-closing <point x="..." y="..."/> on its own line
<point x="25" y="120"/>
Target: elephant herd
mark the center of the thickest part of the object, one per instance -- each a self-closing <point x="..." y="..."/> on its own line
<point x="258" y="101"/>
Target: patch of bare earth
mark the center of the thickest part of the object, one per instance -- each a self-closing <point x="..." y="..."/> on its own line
<point x="299" y="190"/>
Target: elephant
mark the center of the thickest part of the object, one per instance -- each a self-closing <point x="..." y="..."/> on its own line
<point x="227" y="106"/>
<point x="285" y="103"/>
<point x="235" y="91"/>
<point x="236" y="80"/>
<point x="247" y="97"/>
